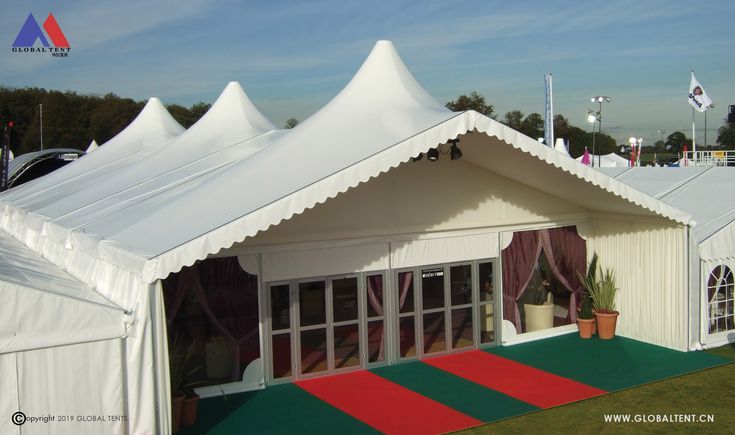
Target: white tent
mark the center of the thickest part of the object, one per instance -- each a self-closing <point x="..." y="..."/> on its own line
<point x="92" y="146"/>
<point x="707" y="194"/>
<point x="611" y="160"/>
<point x="561" y="146"/>
<point x="49" y="316"/>
<point x="338" y="194"/>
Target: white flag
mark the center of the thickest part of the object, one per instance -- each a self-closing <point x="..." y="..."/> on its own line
<point x="697" y="97"/>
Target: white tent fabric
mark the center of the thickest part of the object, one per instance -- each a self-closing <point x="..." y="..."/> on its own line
<point x="11" y="156"/>
<point x="92" y="146"/>
<point x="155" y="235"/>
<point x="704" y="192"/>
<point x="56" y="334"/>
<point x="611" y="160"/>
<point x="34" y="292"/>
<point x="153" y="125"/>
<point x="227" y="132"/>
<point x="560" y="146"/>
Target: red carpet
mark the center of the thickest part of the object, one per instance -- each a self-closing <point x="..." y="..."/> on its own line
<point x="386" y="406"/>
<point x="520" y="381"/>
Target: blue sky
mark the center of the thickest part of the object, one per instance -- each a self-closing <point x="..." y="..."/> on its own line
<point x="292" y="57"/>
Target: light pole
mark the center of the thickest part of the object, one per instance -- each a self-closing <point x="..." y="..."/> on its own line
<point x="599" y="99"/>
<point x="592" y="117"/>
<point x="711" y="106"/>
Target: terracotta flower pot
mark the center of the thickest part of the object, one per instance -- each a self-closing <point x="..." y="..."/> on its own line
<point x="606" y="323"/>
<point x="176" y="404"/>
<point x="586" y="327"/>
<point x="189" y="411"/>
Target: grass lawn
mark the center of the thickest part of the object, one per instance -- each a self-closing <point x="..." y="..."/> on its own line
<point x="710" y="391"/>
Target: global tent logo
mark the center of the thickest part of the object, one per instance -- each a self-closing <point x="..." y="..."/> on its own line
<point x="31" y="33"/>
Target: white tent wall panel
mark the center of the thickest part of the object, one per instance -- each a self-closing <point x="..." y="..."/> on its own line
<point x="422" y="197"/>
<point x="720" y="245"/>
<point x="77" y="380"/>
<point x="146" y="349"/>
<point x="650" y="265"/>
<point x="8" y="394"/>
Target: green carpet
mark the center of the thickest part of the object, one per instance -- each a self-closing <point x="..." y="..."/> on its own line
<point x="280" y="409"/>
<point x="610" y="365"/>
<point x="464" y="396"/>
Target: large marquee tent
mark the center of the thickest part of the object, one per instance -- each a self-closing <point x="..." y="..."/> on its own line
<point x="343" y="193"/>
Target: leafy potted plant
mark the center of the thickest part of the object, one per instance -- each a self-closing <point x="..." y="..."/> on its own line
<point x="586" y="319"/>
<point x="604" y="303"/>
<point x="602" y="291"/>
<point x="539" y="313"/>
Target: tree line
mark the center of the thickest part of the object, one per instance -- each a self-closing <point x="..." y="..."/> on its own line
<point x="73" y="120"/>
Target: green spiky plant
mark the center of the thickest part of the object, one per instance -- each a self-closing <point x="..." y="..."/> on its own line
<point x="602" y="292"/>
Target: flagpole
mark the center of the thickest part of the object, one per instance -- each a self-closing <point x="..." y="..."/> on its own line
<point x="694" y="133"/>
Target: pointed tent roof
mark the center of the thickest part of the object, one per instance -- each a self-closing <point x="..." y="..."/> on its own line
<point x="561" y="147"/>
<point x="379" y="120"/>
<point x="92" y="146"/>
<point x="153" y="125"/>
<point x="225" y="133"/>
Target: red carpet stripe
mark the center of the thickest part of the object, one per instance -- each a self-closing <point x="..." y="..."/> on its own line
<point x="387" y="407"/>
<point x="520" y="381"/>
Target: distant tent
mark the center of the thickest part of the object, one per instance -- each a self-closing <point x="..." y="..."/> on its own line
<point x="611" y="160"/>
<point x="93" y="146"/>
<point x="11" y="154"/>
<point x="560" y="146"/>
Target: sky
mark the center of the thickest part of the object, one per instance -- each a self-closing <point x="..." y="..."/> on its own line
<point x="292" y="57"/>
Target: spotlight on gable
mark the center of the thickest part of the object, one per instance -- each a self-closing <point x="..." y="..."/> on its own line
<point x="433" y="155"/>
<point x="454" y="151"/>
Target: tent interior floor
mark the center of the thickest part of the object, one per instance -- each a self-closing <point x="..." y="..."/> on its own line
<point x="450" y="392"/>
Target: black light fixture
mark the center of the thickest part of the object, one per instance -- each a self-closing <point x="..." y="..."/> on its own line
<point x="433" y="155"/>
<point x="418" y="157"/>
<point x="454" y="152"/>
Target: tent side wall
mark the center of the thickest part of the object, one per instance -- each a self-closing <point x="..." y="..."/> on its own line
<point x="650" y="264"/>
<point x="80" y="392"/>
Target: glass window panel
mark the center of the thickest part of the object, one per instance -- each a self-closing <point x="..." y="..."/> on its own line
<point x="312" y="303"/>
<point x="405" y="292"/>
<point x="344" y="299"/>
<point x="374" y="285"/>
<point x="485" y="277"/>
<point x="407" y="336"/>
<point x="314" y="350"/>
<point x="280" y="307"/>
<point x="487" y="327"/>
<point x="461" y="284"/>
<point x="434" y="333"/>
<point x="432" y="292"/>
<point x="281" y="345"/>
<point x="346" y="346"/>
<point x="462" y="328"/>
<point x="376" y="341"/>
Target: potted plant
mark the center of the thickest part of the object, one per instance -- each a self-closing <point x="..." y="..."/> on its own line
<point x="539" y="313"/>
<point x="604" y="303"/>
<point x="602" y="291"/>
<point x="180" y="371"/>
<point x="586" y="319"/>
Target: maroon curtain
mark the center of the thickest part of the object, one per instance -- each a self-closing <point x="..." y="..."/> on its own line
<point x="568" y="255"/>
<point x="375" y="298"/>
<point x="519" y="261"/>
<point x="226" y="295"/>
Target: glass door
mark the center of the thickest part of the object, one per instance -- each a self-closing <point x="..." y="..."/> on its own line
<point x="486" y="301"/>
<point x="375" y="336"/>
<point x="313" y="346"/>
<point x="433" y="312"/>
<point x="344" y="325"/>
<point x="460" y="285"/>
<point x="280" y="326"/>
<point x="406" y="316"/>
